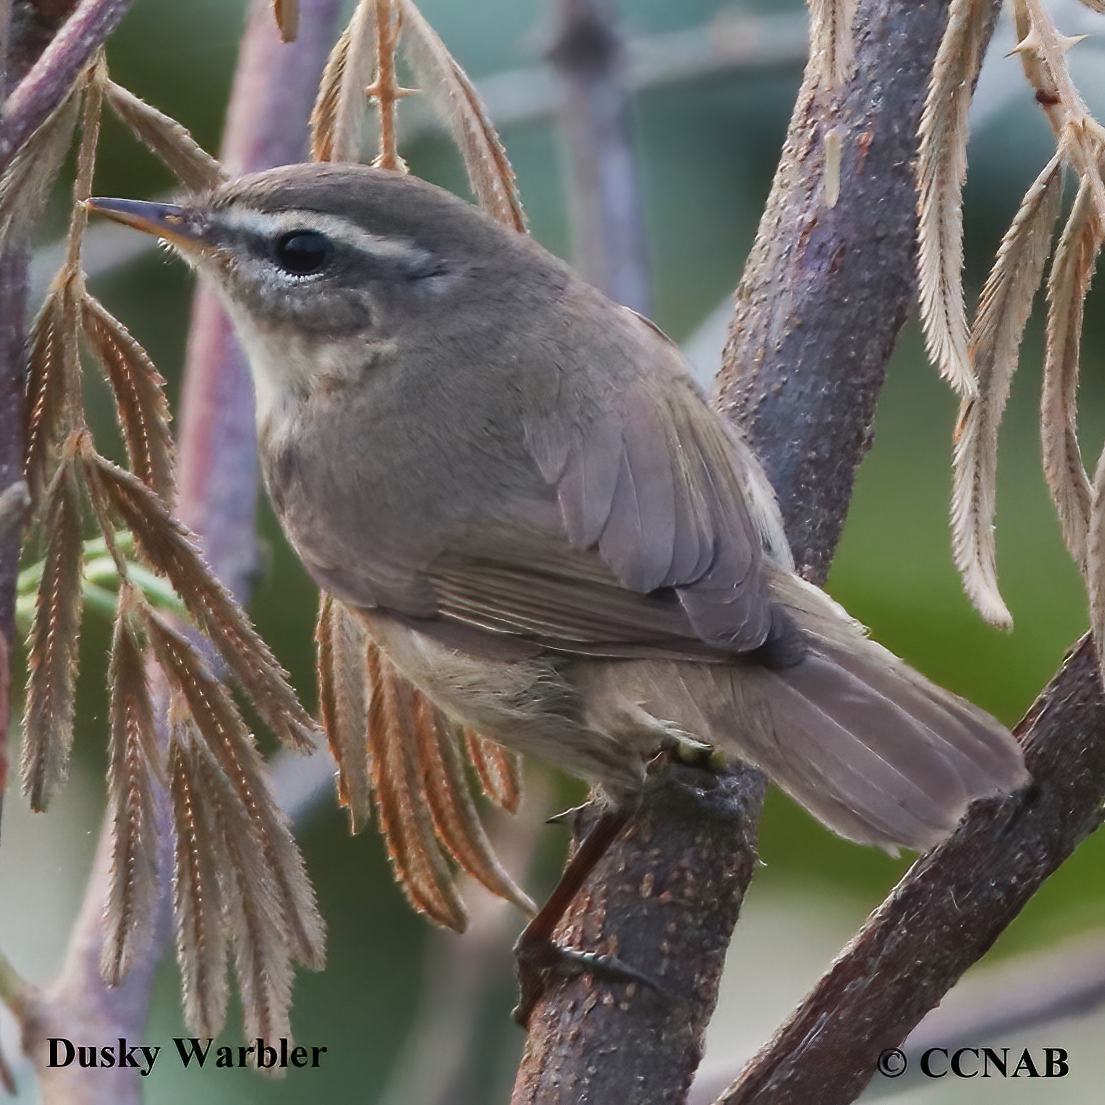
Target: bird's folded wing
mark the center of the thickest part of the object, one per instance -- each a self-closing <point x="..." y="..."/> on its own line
<point x="656" y="549"/>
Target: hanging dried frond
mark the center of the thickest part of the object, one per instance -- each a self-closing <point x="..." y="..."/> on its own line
<point x="201" y="932"/>
<point x="52" y="644"/>
<point x="339" y="111"/>
<point x="405" y="818"/>
<point x="53" y="381"/>
<point x="141" y="405"/>
<point x="225" y="895"/>
<point x="1071" y="272"/>
<point x="498" y="769"/>
<point x="941" y="171"/>
<point x="1095" y="563"/>
<point x="343" y="644"/>
<point x="168" y="548"/>
<point x="229" y="742"/>
<point x="455" y="816"/>
<point x="832" y="50"/>
<point x="286" y="13"/>
<point x="485" y="159"/>
<point x="33" y="170"/>
<point x="135" y="776"/>
<point x="94" y="81"/>
<point x="1004" y="307"/>
<point x="196" y="169"/>
<point x="262" y="957"/>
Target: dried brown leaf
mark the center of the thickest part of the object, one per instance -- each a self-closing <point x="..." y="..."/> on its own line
<point x="1071" y="271"/>
<point x="1095" y="563"/>
<point x="286" y="13"/>
<point x="262" y="955"/>
<point x="193" y="166"/>
<point x="455" y="816"/>
<point x="170" y="549"/>
<point x="498" y="770"/>
<point x="231" y="745"/>
<point x="485" y="159"/>
<point x="225" y="892"/>
<point x="201" y="937"/>
<point x="1004" y="307"/>
<point x="405" y="817"/>
<point x="53" y="382"/>
<point x="95" y="76"/>
<point x="941" y="171"/>
<point x="249" y="896"/>
<point x="53" y="645"/>
<point x="32" y="172"/>
<point x="343" y="643"/>
<point x="339" y="110"/>
<point x="135" y="776"/>
<point x="141" y="405"/>
<point x="832" y="50"/>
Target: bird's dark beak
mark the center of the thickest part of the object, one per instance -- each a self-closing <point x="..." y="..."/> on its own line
<point x="179" y="226"/>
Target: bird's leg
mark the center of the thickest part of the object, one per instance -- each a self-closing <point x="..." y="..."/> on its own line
<point x="537" y="956"/>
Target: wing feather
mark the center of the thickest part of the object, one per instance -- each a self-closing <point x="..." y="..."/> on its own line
<point x="656" y="550"/>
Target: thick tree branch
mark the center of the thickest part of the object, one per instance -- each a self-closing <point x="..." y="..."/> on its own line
<point x="664" y="900"/>
<point x="825" y="293"/>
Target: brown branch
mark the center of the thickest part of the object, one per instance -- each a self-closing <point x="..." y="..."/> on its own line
<point x="664" y="900"/>
<point x="826" y="289"/>
<point x="825" y="293"/>
<point x="955" y="901"/>
<point x="608" y="233"/>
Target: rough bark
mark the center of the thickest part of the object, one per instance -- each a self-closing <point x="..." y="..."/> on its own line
<point x="664" y="900"/>
<point x="825" y="293"/>
<point x="826" y="290"/>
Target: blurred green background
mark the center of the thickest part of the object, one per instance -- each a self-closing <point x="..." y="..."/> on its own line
<point x="707" y="150"/>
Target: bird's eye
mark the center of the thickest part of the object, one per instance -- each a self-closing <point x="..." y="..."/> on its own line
<point x="302" y="252"/>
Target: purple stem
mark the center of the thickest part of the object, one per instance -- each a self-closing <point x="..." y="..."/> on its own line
<point x="51" y="77"/>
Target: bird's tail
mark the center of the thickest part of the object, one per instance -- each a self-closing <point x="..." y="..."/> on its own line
<point x="868" y="745"/>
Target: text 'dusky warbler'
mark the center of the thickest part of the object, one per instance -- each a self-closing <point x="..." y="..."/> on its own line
<point x="549" y="531"/>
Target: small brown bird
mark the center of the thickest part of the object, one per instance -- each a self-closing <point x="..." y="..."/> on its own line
<point x="549" y="531"/>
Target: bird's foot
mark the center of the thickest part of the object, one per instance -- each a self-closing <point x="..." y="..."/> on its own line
<point x="538" y="961"/>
